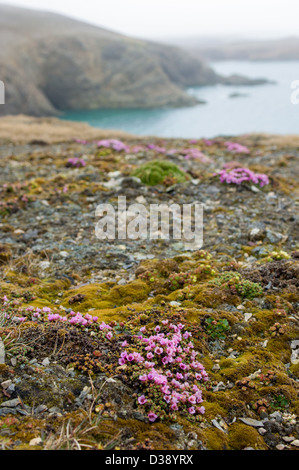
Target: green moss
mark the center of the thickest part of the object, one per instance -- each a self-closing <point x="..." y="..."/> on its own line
<point x="216" y="439"/>
<point x="213" y="409"/>
<point x="294" y="369"/>
<point x="156" y="171"/>
<point x="135" y="291"/>
<point x="241" y="436"/>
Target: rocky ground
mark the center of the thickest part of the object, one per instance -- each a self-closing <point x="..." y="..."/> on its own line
<point x="63" y="384"/>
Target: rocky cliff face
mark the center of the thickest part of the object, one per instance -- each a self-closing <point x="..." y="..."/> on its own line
<point x="51" y="63"/>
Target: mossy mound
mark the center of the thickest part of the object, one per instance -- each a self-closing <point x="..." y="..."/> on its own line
<point x="156" y="172"/>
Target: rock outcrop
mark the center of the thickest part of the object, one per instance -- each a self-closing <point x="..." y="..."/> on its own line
<point x="50" y="63"/>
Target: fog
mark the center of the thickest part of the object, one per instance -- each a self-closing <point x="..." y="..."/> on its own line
<point x="181" y="18"/>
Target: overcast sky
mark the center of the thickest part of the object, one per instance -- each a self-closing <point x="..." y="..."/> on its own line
<point x="181" y="18"/>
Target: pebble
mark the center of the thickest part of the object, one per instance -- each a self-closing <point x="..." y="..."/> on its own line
<point x="219" y="387"/>
<point x="173" y="303"/>
<point x="288" y="438"/>
<point x="295" y="443"/>
<point x="6" y="384"/>
<point x="36" y="441"/>
<point x="280" y="446"/>
<point x="262" y="431"/>
<point x="7" y="411"/>
<point x="40" y="409"/>
<point x="217" y="425"/>
<point x="11" y="389"/>
<point x="252" y="422"/>
<point x="46" y="362"/>
<point x="10" y="403"/>
<point x="2" y="352"/>
<point x="247" y="316"/>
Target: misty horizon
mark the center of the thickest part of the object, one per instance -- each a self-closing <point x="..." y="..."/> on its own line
<point x="140" y="19"/>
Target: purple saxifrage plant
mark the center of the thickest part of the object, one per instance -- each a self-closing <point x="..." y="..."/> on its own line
<point x="162" y="361"/>
<point x="241" y="175"/>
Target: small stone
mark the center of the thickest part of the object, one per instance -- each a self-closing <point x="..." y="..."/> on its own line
<point x="63" y="254"/>
<point x="255" y="374"/>
<point x="11" y="389"/>
<point x="288" y="438"/>
<point x="295" y="443"/>
<point x="6" y="384"/>
<point x="216" y="367"/>
<point x="217" y="425"/>
<point x="36" y="441"/>
<point x="174" y="304"/>
<point x="55" y="410"/>
<point x="262" y="431"/>
<point x="2" y="352"/>
<point x="11" y="403"/>
<point x="219" y="387"/>
<point x="247" y="316"/>
<point x="277" y="416"/>
<point x="7" y="411"/>
<point x="280" y="446"/>
<point x="252" y="422"/>
<point x="46" y="362"/>
<point x="40" y="409"/>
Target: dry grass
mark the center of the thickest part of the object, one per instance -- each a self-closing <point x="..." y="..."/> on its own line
<point x="25" y="129"/>
<point x="280" y="141"/>
<point x="27" y="264"/>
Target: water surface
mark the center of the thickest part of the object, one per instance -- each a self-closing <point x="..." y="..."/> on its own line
<point x="265" y="108"/>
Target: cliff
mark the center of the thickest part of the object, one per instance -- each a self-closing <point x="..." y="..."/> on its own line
<point x="51" y="63"/>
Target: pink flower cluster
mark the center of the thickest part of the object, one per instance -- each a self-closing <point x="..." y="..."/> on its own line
<point x="236" y="148"/>
<point x="166" y="360"/>
<point x="115" y="144"/>
<point x="76" y="162"/>
<point x="241" y="175"/>
<point x="47" y="314"/>
<point x="195" y="154"/>
<point x="156" y="148"/>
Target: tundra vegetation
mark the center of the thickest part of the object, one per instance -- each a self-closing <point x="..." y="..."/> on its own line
<point x="144" y="344"/>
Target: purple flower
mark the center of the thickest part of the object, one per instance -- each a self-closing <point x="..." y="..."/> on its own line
<point x="142" y="400"/>
<point x="152" y="417"/>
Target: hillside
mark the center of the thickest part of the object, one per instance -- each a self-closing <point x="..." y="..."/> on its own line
<point x="51" y="63"/>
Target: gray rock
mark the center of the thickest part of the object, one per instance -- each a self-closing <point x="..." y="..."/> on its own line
<point x="11" y="389"/>
<point x="40" y="409"/>
<point x="219" y="387"/>
<point x="10" y="403"/>
<point x="217" y="425"/>
<point x="7" y="411"/>
<point x="55" y="410"/>
<point x="262" y="431"/>
<point x="2" y="352"/>
<point x="252" y="422"/>
<point x="277" y="416"/>
<point x="6" y="384"/>
<point x="280" y="446"/>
